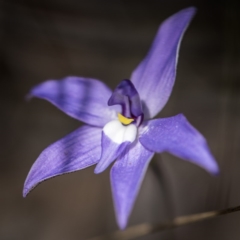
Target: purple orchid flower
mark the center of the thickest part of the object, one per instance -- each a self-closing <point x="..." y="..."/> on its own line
<point x="119" y="124"/>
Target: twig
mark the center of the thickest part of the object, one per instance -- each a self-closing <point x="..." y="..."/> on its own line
<point x="146" y="229"/>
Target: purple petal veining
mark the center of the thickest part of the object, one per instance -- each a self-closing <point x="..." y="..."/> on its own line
<point x="81" y="98"/>
<point x="155" y="75"/>
<point x="127" y="174"/>
<point x="78" y="150"/>
<point x="177" y="136"/>
<point x="110" y="151"/>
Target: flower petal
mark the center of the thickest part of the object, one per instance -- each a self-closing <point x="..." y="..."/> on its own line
<point x="110" y="152"/>
<point x="78" y="150"/>
<point x="177" y="136"/>
<point x="126" y="177"/>
<point x="127" y="96"/>
<point x="115" y="138"/>
<point x="155" y="75"/>
<point x="81" y="98"/>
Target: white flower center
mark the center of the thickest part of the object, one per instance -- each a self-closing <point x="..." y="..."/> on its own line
<point x="119" y="133"/>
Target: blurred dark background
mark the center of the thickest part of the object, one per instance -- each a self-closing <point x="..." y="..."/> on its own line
<point x="106" y="39"/>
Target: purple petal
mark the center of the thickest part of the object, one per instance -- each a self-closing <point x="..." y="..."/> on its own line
<point x="78" y="150"/>
<point x="177" y="136"/>
<point x="126" y="177"/>
<point x="127" y="96"/>
<point x="81" y="98"/>
<point x="110" y="152"/>
<point x="155" y="75"/>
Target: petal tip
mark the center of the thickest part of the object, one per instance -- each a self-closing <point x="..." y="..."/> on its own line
<point x="98" y="169"/>
<point x="190" y="10"/>
<point x="186" y="12"/>
<point x="28" y="187"/>
<point x="214" y="169"/>
<point x="209" y="164"/>
<point x="122" y="223"/>
<point x="25" y="192"/>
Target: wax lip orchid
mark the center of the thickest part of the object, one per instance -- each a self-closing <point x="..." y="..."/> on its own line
<point x="119" y="125"/>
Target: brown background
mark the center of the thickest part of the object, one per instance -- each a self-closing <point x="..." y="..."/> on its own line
<point x="106" y="39"/>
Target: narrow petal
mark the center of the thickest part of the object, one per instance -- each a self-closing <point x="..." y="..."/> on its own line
<point x="115" y="138"/>
<point x="78" y="150"/>
<point x="155" y="75"/>
<point x="177" y="136"/>
<point x="110" y="152"/>
<point x="81" y="98"/>
<point x="126" y="177"/>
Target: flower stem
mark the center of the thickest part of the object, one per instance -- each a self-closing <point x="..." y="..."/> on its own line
<point x="146" y="229"/>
